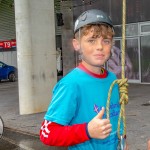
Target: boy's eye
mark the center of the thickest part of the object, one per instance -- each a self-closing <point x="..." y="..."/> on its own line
<point x="91" y="41"/>
<point x="106" y="41"/>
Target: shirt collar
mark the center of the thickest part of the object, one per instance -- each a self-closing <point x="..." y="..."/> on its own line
<point x="103" y="75"/>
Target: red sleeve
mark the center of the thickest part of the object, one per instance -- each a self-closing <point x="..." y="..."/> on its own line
<point x="54" y="134"/>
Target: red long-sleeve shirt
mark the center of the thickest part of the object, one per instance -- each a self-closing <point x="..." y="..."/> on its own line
<point x="54" y="134"/>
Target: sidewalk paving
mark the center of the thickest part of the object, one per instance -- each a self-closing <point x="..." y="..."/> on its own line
<point x="137" y="114"/>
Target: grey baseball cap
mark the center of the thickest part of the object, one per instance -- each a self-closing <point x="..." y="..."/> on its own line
<point x="93" y="16"/>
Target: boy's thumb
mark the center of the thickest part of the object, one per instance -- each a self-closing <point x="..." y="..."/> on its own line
<point x="101" y="113"/>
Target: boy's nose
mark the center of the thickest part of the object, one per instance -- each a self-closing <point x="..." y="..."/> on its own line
<point x="99" y="45"/>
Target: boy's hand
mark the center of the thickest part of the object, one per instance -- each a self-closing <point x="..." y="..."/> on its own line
<point x="126" y="146"/>
<point x="99" y="128"/>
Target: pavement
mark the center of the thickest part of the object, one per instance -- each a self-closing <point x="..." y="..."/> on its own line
<point x="137" y="115"/>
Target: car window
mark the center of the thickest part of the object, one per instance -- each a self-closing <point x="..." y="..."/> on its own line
<point x="1" y="65"/>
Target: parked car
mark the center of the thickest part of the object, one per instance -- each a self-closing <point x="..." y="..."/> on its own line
<point x="7" y="72"/>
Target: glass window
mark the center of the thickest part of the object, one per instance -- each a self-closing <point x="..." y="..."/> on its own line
<point x="145" y="59"/>
<point x="132" y="59"/>
<point x="114" y="63"/>
<point x="1" y="65"/>
<point x="145" y="28"/>
<point x="132" y="30"/>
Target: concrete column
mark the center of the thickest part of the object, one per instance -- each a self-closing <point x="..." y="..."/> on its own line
<point x="36" y="53"/>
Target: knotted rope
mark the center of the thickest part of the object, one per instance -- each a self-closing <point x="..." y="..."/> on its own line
<point x="123" y="101"/>
<point x="121" y="82"/>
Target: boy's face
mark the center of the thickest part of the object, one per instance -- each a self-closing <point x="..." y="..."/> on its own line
<point x="94" y="50"/>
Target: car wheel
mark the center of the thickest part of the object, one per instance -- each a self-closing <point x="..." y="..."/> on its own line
<point x="12" y="77"/>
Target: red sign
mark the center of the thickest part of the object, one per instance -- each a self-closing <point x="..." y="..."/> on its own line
<point x="8" y="44"/>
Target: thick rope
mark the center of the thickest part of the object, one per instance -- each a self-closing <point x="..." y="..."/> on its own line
<point x="123" y="38"/>
<point x="123" y="101"/>
<point x="121" y="82"/>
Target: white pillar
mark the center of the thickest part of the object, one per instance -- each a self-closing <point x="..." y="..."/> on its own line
<point x="36" y="53"/>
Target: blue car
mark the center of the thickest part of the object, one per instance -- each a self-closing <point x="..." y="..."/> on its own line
<point x="7" y="72"/>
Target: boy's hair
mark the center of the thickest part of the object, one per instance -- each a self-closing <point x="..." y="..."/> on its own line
<point x="98" y="30"/>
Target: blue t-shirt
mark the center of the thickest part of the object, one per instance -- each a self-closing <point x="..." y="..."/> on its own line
<point x="77" y="98"/>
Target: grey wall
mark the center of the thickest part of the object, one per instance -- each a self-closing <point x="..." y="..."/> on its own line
<point x="68" y="52"/>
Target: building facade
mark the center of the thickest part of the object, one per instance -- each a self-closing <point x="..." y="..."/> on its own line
<point x="137" y="35"/>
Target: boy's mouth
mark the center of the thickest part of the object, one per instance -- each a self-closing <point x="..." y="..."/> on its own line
<point x="99" y="56"/>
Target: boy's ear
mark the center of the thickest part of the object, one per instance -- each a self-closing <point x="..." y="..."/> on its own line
<point x="76" y="44"/>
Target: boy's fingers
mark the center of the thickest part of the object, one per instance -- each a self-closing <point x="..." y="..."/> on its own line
<point x="101" y="113"/>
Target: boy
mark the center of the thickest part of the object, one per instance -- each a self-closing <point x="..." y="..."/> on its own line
<point x="76" y="116"/>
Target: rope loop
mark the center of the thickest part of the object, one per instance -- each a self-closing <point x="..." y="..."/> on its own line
<point x="123" y="101"/>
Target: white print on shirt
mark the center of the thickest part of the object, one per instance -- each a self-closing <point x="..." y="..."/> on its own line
<point x="44" y="128"/>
